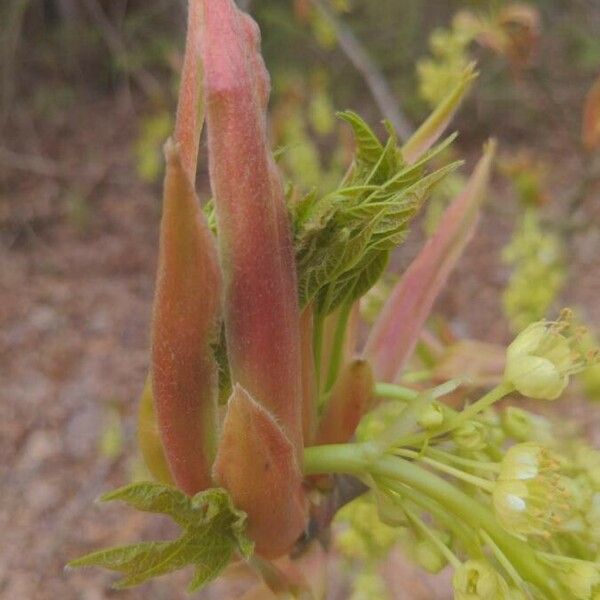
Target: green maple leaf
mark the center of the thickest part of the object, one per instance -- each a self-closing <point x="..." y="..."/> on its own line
<point x="212" y="531"/>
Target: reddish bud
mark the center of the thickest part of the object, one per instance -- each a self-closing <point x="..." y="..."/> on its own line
<point x="190" y="106"/>
<point x="256" y="251"/>
<point x="351" y="397"/>
<point x="185" y="324"/>
<point x="256" y="462"/>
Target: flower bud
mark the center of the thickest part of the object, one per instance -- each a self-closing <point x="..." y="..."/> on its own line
<point x="541" y="358"/>
<point x="365" y="535"/>
<point x="478" y="580"/>
<point x="471" y="435"/>
<point x="522" y="425"/>
<point x="529" y="496"/>
<point x="429" y="556"/>
<point x="389" y="511"/>
<point x="431" y="416"/>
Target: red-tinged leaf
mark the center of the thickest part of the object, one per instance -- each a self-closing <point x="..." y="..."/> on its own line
<point x="256" y="252"/>
<point x="351" y="397"/>
<point x="309" y="376"/>
<point x="397" y="329"/>
<point x="185" y="324"/>
<point x="590" y="130"/>
<point x="256" y="462"/>
<point x="435" y="125"/>
<point x="190" y="107"/>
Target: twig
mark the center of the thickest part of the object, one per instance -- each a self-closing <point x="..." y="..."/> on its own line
<point x="13" y="15"/>
<point x="38" y="165"/>
<point x="45" y="167"/>
<point x="147" y="83"/>
<point x="346" y="488"/>
<point x="376" y="82"/>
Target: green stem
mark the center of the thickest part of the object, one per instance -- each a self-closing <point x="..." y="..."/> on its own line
<point x="500" y="556"/>
<point x="407" y="421"/>
<point x="318" y="346"/>
<point x="417" y="376"/>
<point x="482" y="404"/>
<point x="337" y="351"/>
<point x="358" y="459"/>
<point x="494" y="467"/>
<point x="397" y="392"/>
<point x="460" y="530"/>
<point x="428" y="533"/>
<point x="484" y="484"/>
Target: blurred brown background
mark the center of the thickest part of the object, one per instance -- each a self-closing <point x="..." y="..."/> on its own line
<point x="87" y="88"/>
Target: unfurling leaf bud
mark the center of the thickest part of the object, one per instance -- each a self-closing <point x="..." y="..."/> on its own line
<point x="350" y="398"/>
<point x="431" y="130"/>
<point x="185" y="324"/>
<point x="256" y="462"/>
<point x="541" y="359"/>
<point x="261" y="311"/>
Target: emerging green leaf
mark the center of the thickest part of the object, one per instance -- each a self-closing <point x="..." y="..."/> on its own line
<point x="343" y="239"/>
<point x="213" y="530"/>
<point x="430" y="131"/>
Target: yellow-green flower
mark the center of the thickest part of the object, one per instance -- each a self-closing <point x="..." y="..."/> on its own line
<point x="529" y="496"/>
<point x="541" y="359"/>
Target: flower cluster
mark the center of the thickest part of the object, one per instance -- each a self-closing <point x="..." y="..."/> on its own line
<point x="527" y="488"/>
